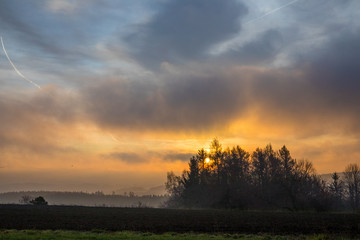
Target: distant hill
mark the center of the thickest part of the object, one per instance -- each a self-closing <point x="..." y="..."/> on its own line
<point x="157" y="190"/>
<point x="87" y="199"/>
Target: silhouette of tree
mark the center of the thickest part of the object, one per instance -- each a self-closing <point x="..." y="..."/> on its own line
<point x="174" y="186"/>
<point x="25" y="199"/>
<point x="265" y="179"/>
<point x="194" y="173"/>
<point x="336" y="189"/>
<point x="274" y="164"/>
<point x="237" y="169"/>
<point x="260" y="175"/>
<point x="352" y="181"/>
<point x="304" y="184"/>
<point x="237" y="165"/>
<point x="287" y="162"/>
<point x="39" y="201"/>
<point x="216" y="156"/>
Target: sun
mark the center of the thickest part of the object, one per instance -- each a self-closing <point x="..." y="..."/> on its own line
<point x="207" y="160"/>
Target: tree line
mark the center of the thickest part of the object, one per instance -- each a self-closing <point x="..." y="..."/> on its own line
<point x="264" y="179"/>
<point x="98" y="198"/>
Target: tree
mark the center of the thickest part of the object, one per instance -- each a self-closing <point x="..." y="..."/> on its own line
<point x="306" y="186"/>
<point x="194" y="171"/>
<point x="336" y="189"/>
<point x="39" y="201"/>
<point x="260" y="168"/>
<point x="274" y="164"/>
<point x="229" y="179"/>
<point x="25" y="199"/>
<point x="237" y="164"/>
<point x="237" y="169"/>
<point x="287" y="162"/>
<point x="175" y="187"/>
<point x="191" y="183"/>
<point x="216" y="155"/>
<point x="352" y="181"/>
<point x="274" y="175"/>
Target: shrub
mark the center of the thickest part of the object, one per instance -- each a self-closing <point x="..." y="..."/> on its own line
<point x="39" y="201"/>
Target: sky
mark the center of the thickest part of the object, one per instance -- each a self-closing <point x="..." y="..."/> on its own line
<point x="111" y="95"/>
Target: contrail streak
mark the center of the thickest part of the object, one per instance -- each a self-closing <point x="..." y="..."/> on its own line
<point x="16" y="70"/>
<point x="269" y="12"/>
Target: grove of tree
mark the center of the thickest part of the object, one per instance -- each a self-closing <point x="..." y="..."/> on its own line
<point x="264" y="179"/>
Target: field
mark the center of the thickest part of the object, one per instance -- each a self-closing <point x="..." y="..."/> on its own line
<point x="55" y="235"/>
<point x="159" y="221"/>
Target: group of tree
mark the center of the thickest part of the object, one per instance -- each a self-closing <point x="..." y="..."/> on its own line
<point x="265" y="179"/>
<point x="26" y="199"/>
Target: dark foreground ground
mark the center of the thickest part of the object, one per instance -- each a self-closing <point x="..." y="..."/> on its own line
<point x="171" y="220"/>
<point x="101" y="235"/>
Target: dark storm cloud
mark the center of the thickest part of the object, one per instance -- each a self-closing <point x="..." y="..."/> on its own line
<point x="185" y="29"/>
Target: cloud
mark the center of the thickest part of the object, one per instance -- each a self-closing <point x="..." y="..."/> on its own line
<point x="321" y="87"/>
<point x="185" y="29"/>
<point x="189" y="102"/>
<point x="61" y="6"/>
<point x="128" y="157"/>
<point x="27" y="29"/>
<point x="326" y="89"/>
<point x="35" y="122"/>
<point x="53" y="41"/>
<point x="147" y="156"/>
<point x="178" y="156"/>
<point x="313" y="93"/>
<point x="261" y="50"/>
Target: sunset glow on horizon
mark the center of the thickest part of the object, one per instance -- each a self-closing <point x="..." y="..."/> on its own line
<point x="112" y="95"/>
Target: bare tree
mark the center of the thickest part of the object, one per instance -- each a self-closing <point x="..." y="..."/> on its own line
<point x="25" y="199"/>
<point x="175" y="187"/>
<point x="352" y="181"/>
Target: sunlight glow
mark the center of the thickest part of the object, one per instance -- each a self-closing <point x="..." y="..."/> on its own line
<point x="207" y="160"/>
